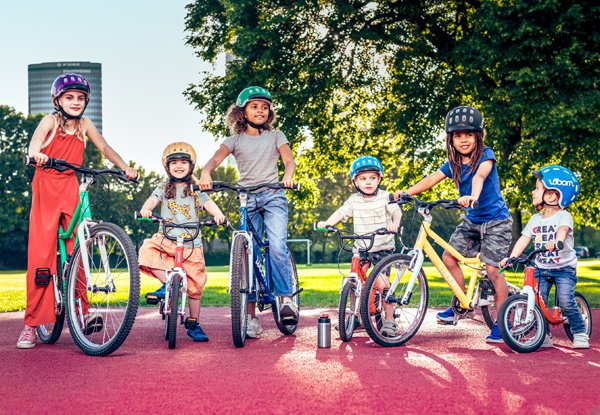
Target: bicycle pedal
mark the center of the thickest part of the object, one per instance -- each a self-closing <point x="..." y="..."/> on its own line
<point x="190" y="323"/>
<point x="152" y="299"/>
<point x="42" y="276"/>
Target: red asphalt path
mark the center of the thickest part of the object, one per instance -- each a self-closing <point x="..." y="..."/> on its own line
<point x="442" y="370"/>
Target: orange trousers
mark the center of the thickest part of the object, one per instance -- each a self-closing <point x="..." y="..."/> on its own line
<point x="54" y="200"/>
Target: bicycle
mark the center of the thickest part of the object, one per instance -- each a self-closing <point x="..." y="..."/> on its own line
<point x="172" y="307"/>
<point x="408" y="291"/>
<point x="255" y="280"/>
<point x="523" y="319"/>
<point x="101" y="281"/>
<point x="349" y="306"/>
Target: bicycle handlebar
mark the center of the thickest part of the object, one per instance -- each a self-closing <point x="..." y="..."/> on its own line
<point x="169" y="226"/>
<point x="445" y="203"/>
<point x="526" y="260"/>
<point x="366" y="237"/>
<point x="61" y="165"/>
<point x="220" y="186"/>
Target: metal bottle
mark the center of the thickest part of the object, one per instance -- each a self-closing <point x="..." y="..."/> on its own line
<point x="324" y="331"/>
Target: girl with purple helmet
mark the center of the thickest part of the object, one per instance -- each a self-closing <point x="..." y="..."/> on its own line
<point x="55" y="194"/>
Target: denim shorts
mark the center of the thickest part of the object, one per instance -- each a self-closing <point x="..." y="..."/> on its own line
<point x="491" y="239"/>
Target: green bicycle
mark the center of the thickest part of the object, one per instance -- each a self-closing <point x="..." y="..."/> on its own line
<point x="97" y="287"/>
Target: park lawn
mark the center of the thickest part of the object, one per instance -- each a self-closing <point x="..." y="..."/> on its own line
<point x="321" y="283"/>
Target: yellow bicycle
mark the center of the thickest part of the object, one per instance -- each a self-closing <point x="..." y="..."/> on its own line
<point x="406" y="284"/>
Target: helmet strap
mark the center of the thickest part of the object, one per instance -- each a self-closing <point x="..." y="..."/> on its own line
<point x="365" y="193"/>
<point x="544" y="203"/>
<point x="180" y="180"/>
<point x="259" y="127"/>
<point x="69" y="116"/>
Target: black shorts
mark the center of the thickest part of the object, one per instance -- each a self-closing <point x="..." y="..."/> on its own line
<point x="374" y="257"/>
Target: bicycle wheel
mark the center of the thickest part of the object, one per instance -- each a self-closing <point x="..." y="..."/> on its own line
<point x="586" y="314"/>
<point x="489" y="312"/>
<point x="101" y="315"/>
<point x="519" y="335"/>
<point x="289" y="329"/>
<point x="347" y="312"/>
<point x="50" y="333"/>
<point x="389" y="322"/>
<point x="240" y="275"/>
<point x="173" y="317"/>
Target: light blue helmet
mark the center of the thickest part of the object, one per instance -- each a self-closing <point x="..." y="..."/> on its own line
<point x="562" y="180"/>
<point x="365" y="163"/>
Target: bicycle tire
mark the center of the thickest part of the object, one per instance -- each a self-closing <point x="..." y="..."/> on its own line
<point x="173" y="317"/>
<point x="520" y="336"/>
<point x="347" y="315"/>
<point x="51" y="332"/>
<point x="408" y="317"/>
<point x="116" y="303"/>
<point x="586" y="314"/>
<point x="289" y="329"/>
<point x="240" y="281"/>
<point x="488" y="311"/>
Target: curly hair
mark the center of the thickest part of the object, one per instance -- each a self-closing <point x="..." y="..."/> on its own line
<point x="236" y="121"/>
<point x="455" y="158"/>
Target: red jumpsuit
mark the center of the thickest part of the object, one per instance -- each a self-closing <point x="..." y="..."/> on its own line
<point x="55" y="196"/>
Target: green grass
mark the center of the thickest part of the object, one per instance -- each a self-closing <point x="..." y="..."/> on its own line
<point x="321" y="285"/>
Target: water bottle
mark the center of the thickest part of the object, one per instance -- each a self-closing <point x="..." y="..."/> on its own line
<point x="324" y="331"/>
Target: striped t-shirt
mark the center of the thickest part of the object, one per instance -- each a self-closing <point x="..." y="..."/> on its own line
<point x="369" y="215"/>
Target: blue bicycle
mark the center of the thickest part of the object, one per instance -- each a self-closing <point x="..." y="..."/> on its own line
<point x="253" y="281"/>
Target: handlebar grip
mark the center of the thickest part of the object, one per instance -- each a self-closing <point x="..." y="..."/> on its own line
<point x="560" y="245"/>
<point x="138" y="216"/>
<point x="27" y="161"/>
<point x="194" y="187"/>
<point x="474" y="204"/>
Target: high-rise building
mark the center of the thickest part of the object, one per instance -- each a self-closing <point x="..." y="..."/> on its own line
<point x="41" y="76"/>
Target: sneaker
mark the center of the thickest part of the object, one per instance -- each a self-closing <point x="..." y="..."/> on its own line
<point x="197" y="334"/>
<point x="494" y="336"/>
<point x="288" y="310"/>
<point x="160" y="293"/>
<point x="548" y="341"/>
<point x="389" y="328"/>
<point x="448" y="316"/>
<point x="581" y="341"/>
<point x="27" y="338"/>
<point x="93" y="323"/>
<point x="254" y="329"/>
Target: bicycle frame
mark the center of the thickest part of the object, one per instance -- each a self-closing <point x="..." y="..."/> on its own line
<point x="423" y="247"/>
<point x="531" y="290"/>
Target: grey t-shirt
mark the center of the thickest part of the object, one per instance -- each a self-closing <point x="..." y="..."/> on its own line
<point x="543" y="230"/>
<point x="256" y="156"/>
<point x="181" y="209"/>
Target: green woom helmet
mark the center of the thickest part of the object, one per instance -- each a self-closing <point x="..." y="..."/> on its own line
<point x="253" y="93"/>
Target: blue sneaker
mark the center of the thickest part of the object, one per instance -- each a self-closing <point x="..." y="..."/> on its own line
<point x="447" y="316"/>
<point x="494" y="336"/>
<point x="197" y="334"/>
<point x="155" y="296"/>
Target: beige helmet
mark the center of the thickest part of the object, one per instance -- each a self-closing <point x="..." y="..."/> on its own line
<point x="178" y="150"/>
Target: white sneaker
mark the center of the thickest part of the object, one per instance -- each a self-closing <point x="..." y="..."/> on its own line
<point x="288" y="310"/>
<point x="548" y="341"/>
<point x="254" y="329"/>
<point x="389" y="328"/>
<point x="581" y="341"/>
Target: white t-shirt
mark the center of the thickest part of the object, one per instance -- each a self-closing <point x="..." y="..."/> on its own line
<point x="543" y="230"/>
<point x="368" y="215"/>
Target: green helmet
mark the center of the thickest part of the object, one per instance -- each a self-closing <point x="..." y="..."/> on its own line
<point x="252" y="93"/>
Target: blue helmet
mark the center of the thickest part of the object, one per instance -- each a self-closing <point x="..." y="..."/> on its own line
<point x="365" y="163"/>
<point x="562" y="180"/>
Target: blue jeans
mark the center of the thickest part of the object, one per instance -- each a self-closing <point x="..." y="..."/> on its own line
<point x="565" y="280"/>
<point x="275" y="204"/>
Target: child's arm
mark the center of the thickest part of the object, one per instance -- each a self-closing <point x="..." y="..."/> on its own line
<point x="287" y="157"/>
<point x="396" y="217"/>
<point x="210" y="166"/>
<point x="106" y="150"/>
<point x="212" y="208"/>
<point x="518" y="249"/>
<point x="424" y="184"/>
<point x="333" y="220"/>
<point x="481" y="174"/>
<point x="149" y="204"/>
<point x="38" y="138"/>
<point x="561" y="235"/>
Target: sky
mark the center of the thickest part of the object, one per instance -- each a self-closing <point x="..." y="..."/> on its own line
<point x="146" y="66"/>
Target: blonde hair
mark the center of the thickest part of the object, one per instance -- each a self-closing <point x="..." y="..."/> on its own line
<point x="236" y="121"/>
<point x="62" y="121"/>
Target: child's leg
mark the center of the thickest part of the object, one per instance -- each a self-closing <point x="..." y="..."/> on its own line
<point x="565" y="281"/>
<point x="452" y="264"/>
<point x="194" y="304"/>
<point x="499" y="284"/>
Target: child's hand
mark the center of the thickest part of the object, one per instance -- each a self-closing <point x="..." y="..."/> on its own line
<point x="322" y="224"/>
<point x="287" y="182"/>
<point x="399" y="193"/>
<point x="465" y="201"/>
<point x="219" y="219"/>
<point x="393" y="228"/>
<point x="40" y="159"/>
<point x="503" y="262"/>
<point x="132" y="174"/>
<point x="550" y="246"/>
<point x="146" y="213"/>
<point x="205" y="181"/>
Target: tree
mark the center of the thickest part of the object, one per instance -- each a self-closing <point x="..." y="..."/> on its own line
<point x="356" y="77"/>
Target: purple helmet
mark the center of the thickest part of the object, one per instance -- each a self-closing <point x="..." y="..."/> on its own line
<point x="70" y="81"/>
